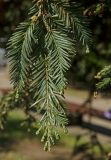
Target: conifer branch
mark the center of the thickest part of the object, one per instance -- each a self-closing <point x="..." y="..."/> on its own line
<point x="40" y="53"/>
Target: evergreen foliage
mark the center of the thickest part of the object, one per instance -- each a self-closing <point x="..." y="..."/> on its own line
<point x="104" y="78"/>
<point x="39" y="54"/>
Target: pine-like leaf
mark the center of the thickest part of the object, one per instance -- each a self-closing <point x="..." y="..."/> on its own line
<point x="48" y="100"/>
<point x="20" y="49"/>
<point x="104" y="77"/>
<point x="61" y="49"/>
<point x="33" y="10"/>
<point x="72" y="15"/>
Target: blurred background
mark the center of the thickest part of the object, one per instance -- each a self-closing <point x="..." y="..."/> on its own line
<point x="89" y="136"/>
